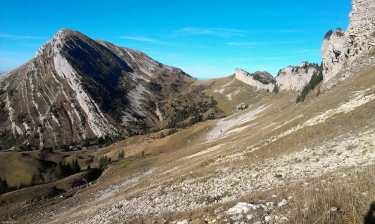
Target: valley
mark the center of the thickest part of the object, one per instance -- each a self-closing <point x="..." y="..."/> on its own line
<point x="91" y="132"/>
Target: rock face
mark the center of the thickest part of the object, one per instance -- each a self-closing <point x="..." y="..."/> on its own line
<point x="295" y="77"/>
<point x="75" y="89"/>
<point x="260" y="80"/>
<point x="292" y="78"/>
<point x="345" y="52"/>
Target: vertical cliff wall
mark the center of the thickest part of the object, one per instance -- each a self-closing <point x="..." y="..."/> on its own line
<point x="345" y="52"/>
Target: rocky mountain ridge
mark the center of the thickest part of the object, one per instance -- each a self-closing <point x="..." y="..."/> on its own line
<point x="343" y="53"/>
<point x="261" y="80"/>
<point x="75" y="89"/>
<point x="290" y="78"/>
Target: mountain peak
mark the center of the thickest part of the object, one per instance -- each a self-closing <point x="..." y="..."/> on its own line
<point x="78" y="88"/>
<point x="58" y="40"/>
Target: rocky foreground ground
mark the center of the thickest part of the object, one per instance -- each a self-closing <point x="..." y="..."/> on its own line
<point x="336" y="158"/>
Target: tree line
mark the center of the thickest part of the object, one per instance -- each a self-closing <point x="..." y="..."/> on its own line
<point x="61" y="170"/>
<point x="316" y="78"/>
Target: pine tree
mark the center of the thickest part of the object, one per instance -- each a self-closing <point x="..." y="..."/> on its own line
<point x="75" y="166"/>
<point x="3" y="185"/>
<point x="36" y="179"/>
<point x="275" y="89"/>
<point x="59" y="170"/>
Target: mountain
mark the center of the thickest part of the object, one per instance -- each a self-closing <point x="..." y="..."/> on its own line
<point x="77" y="89"/>
<point x="267" y="159"/>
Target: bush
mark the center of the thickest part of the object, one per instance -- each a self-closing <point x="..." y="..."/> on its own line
<point x="104" y="161"/>
<point x="243" y="107"/>
<point x="154" y="87"/>
<point x="328" y="34"/>
<point x="275" y="89"/>
<point x="162" y="135"/>
<point x="121" y="154"/>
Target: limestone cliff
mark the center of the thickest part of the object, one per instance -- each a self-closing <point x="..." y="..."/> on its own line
<point x="345" y="52"/>
<point x="260" y="80"/>
<point x="295" y="77"/>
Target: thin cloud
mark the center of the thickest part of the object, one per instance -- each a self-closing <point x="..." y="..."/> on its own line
<point x="143" y="39"/>
<point x="9" y="36"/>
<point x="225" y="33"/>
<point x="150" y="40"/>
<point x="210" y="31"/>
<point x="264" y="42"/>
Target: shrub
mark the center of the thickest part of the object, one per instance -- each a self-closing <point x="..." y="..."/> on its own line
<point x="104" y="161"/>
<point x="275" y="89"/>
<point x="121" y="154"/>
<point x="162" y="135"/>
<point x="154" y="87"/>
<point x="316" y="78"/>
<point x="328" y="34"/>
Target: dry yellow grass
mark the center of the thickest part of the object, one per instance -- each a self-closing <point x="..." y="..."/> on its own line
<point x="262" y="134"/>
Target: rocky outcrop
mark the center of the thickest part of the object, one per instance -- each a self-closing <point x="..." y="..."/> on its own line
<point x="260" y="80"/>
<point x="295" y="77"/>
<point x="346" y="52"/>
<point x="291" y="78"/>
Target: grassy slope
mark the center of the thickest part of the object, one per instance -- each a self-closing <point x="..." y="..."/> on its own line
<point x="281" y="115"/>
<point x="24" y="164"/>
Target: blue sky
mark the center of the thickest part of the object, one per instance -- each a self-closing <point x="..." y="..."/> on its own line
<point x="206" y="39"/>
